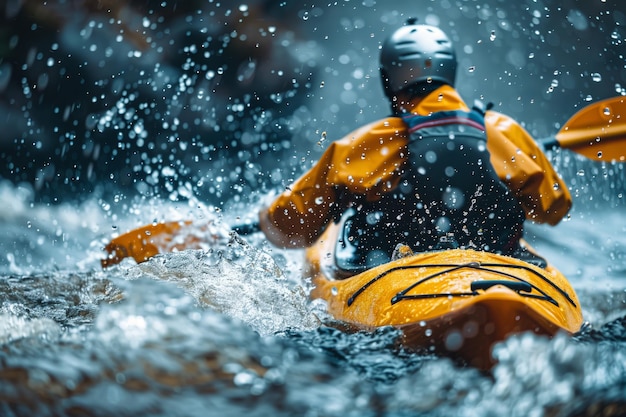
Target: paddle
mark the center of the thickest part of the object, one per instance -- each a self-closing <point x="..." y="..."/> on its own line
<point x="147" y="241"/>
<point x="598" y="131"/>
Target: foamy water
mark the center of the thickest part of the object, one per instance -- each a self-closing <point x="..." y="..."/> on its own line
<point x="229" y="330"/>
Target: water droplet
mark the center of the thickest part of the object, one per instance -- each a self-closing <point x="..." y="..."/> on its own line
<point x="454" y="341"/>
<point x="453" y="198"/>
<point x="492" y="36"/>
<point x="428" y="332"/>
<point x="599" y="154"/>
<point x="596" y="77"/>
<point x="243" y="378"/>
<point x="607" y="111"/>
<point x="471" y="68"/>
<point x="431" y="157"/>
<point x="334" y="291"/>
<point x="443" y="224"/>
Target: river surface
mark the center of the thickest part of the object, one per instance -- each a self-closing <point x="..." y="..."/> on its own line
<point x="119" y="114"/>
<point x="230" y="331"/>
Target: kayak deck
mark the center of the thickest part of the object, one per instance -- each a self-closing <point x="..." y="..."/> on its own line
<point x="455" y="302"/>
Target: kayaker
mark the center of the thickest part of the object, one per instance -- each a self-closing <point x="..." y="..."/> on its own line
<point x="433" y="175"/>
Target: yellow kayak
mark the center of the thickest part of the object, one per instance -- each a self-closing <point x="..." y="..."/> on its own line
<point x="456" y="302"/>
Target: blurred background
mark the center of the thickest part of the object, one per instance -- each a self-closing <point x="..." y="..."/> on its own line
<point x="223" y="100"/>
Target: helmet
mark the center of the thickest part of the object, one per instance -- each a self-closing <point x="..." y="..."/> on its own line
<point x="414" y="54"/>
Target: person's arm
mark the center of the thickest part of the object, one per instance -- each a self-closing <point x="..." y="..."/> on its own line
<point x="522" y="165"/>
<point x="364" y="164"/>
<point x="297" y="216"/>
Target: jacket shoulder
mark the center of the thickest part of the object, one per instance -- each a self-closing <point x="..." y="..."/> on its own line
<point x="384" y="128"/>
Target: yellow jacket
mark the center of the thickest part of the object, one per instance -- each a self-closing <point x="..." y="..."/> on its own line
<point x="369" y="161"/>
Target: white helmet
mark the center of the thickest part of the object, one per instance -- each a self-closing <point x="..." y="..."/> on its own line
<point x="415" y="54"/>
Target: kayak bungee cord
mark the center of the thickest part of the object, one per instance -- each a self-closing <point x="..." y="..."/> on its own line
<point x="523" y="290"/>
<point x="526" y="287"/>
<point x="486" y="267"/>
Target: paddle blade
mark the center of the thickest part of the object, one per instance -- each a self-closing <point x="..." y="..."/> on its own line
<point x="143" y="243"/>
<point x="597" y="131"/>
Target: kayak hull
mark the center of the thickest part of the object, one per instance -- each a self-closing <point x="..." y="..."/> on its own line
<point x="470" y="333"/>
<point x="458" y="303"/>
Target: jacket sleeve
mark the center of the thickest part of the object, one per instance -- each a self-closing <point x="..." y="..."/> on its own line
<point x="522" y="165"/>
<point x="363" y="164"/>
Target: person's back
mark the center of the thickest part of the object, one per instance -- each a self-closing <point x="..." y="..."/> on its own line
<point x="433" y="175"/>
<point x="449" y="197"/>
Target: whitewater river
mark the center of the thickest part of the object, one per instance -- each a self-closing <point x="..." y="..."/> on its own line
<point x="229" y="331"/>
<point x="194" y="103"/>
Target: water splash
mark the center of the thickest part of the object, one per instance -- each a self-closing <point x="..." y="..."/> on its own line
<point x="14" y="328"/>
<point x="238" y="280"/>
